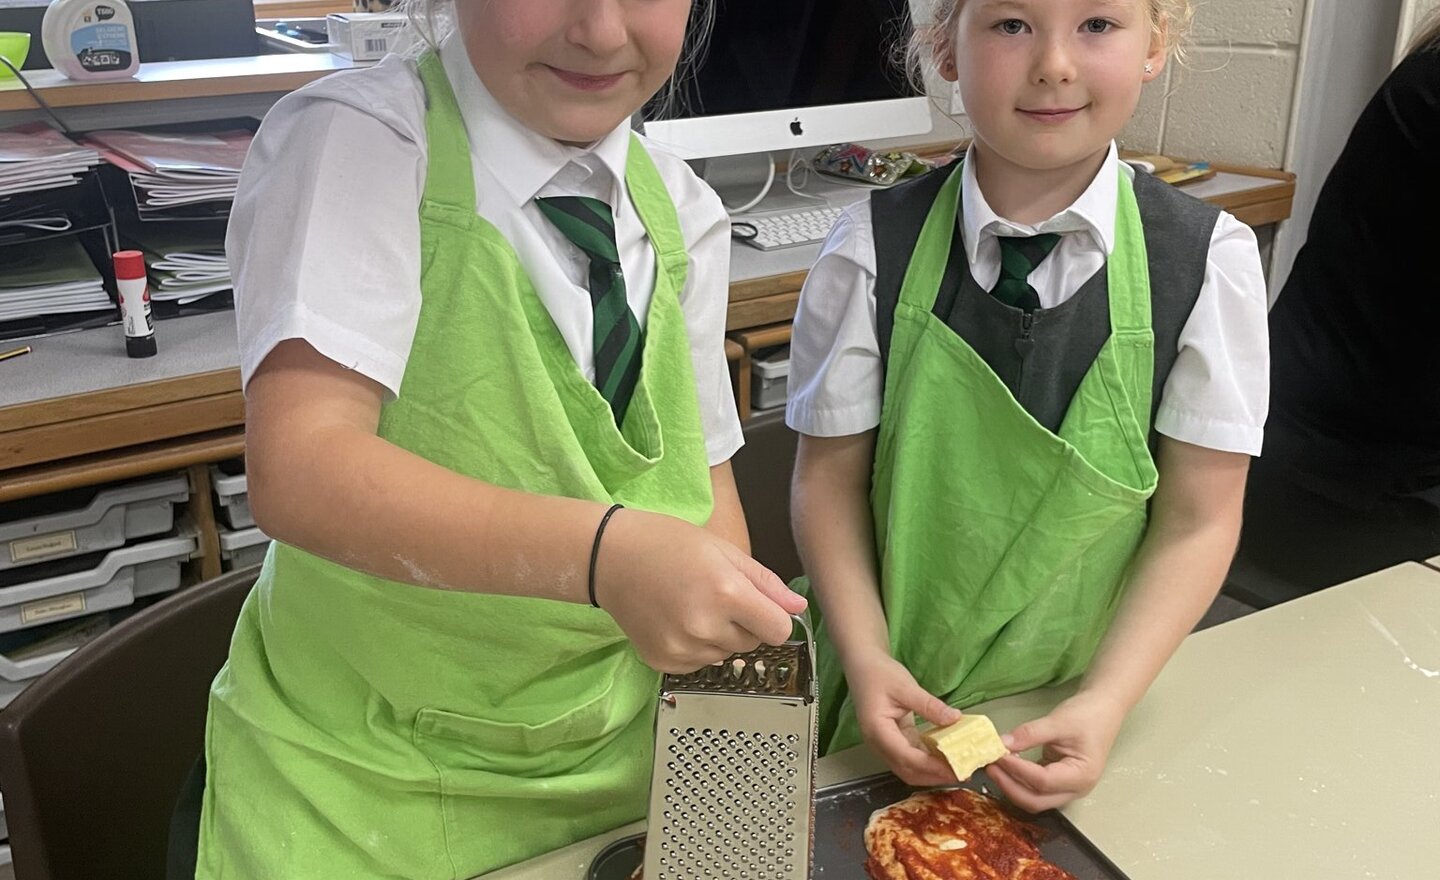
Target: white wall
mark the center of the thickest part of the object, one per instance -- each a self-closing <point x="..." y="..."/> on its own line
<point x="1345" y="58"/>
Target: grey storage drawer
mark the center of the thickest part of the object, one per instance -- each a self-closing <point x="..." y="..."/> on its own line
<point x="21" y="662"/>
<point x="111" y="517"/>
<point x="243" y="547"/>
<point x="228" y="478"/>
<point x="63" y="589"/>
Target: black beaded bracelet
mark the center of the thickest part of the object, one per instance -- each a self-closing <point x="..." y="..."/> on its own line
<point x="595" y="549"/>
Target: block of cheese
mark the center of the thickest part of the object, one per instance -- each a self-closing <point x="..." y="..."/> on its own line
<point x="967" y="745"/>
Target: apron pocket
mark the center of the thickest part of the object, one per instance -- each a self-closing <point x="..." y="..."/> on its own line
<point x="510" y="790"/>
<point x="522" y="747"/>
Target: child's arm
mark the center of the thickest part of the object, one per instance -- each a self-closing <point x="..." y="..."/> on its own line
<point x="1191" y="538"/>
<point x="728" y="518"/>
<point x="834" y="531"/>
<point x="320" y="478"/>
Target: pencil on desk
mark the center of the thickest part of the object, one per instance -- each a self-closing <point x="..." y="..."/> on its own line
<point x="14" y="352"/>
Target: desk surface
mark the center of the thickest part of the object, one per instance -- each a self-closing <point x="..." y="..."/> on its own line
<point x="94" y="360"/>
<point x="1298" y="741"/>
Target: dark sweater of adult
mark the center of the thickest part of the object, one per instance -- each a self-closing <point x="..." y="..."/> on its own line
<point x="1350" y="476"/>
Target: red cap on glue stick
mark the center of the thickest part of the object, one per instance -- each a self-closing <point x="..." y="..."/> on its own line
<point x="134" y="303"/>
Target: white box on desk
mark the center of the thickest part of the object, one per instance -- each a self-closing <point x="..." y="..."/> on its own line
<point x="366" y="36"/>
<point x="771" y="378"/>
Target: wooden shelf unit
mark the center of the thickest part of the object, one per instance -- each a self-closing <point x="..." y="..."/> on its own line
<point x="169" y="80"/>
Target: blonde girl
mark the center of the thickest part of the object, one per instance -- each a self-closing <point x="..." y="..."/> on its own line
<point x="1028" y="387"/>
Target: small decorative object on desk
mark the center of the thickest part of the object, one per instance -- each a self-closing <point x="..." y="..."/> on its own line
<point x="854" y="162"/>
<point x="1172" y="171"/>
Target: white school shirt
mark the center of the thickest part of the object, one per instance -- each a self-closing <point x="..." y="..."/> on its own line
<point x="1217" y="394"/>
<point x="324" y="235"/>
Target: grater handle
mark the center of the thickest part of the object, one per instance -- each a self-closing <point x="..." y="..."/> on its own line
<point x="804" y="623"/>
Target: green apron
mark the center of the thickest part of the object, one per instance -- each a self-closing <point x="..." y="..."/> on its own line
<point x="1002" y="547"/>
<point x="368" y="728"/>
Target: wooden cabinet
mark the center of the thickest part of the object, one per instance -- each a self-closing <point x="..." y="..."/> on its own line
<point x="87" y="439"/>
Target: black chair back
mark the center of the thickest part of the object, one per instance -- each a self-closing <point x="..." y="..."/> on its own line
<point x="93" y="755"/>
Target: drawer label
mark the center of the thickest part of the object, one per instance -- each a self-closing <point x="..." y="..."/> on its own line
<point x="55" y="606"/>
<point x="23" y="549"/>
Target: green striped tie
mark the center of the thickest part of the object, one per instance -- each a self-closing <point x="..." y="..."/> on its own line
<point x="590" y="226"/>
<point x="1019" y="255"/>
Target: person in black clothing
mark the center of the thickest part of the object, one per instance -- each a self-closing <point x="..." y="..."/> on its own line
<point x="1350" y="477"/>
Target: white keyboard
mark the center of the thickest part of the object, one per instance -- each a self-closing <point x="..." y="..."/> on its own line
<point x="772" y="231"/>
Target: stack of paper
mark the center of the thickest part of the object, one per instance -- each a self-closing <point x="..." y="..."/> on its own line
<point x="35" y="157"/>
<point x="53" y="276"/>
<point x="186" y="262"/>
<point x="35" y="221"/>
<point x="169" y="170"/>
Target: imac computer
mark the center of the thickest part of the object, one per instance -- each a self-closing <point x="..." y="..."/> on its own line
<point x="781" y="74"/>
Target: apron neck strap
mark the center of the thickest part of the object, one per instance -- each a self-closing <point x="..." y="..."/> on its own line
<point x="657" y="212"/>
<point x="449" y="179"/>
<point x="1130" y="262"/>
<point x="926" y="271"/>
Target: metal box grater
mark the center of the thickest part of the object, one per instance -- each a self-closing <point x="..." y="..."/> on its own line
<point x="732" y="793"/>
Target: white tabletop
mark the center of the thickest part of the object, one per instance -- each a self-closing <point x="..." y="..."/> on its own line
<point x="1299" y="741"/>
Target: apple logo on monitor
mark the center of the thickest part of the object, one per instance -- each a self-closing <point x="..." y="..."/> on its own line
<point x="795" y="127"/>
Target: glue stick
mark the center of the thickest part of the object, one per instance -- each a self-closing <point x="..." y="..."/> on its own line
<point x="135" y="304"/>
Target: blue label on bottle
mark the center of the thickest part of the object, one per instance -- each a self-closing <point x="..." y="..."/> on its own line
<point x="102" y="46"/>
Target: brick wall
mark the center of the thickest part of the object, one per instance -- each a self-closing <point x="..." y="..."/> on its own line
<point x="1230" y="101"/>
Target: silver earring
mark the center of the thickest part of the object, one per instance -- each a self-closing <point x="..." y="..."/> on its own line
<point x="1149" y="68"/>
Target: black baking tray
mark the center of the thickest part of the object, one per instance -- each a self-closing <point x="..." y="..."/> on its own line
<point x="843" y="810"/>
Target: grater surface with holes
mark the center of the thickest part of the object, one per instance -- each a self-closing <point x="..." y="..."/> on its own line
<point x="732" y="792"/>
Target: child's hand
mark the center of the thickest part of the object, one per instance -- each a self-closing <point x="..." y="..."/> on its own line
<point x="887" y="699"/>
<point x="685" y="597"/>
<point x="1076" y="735"/>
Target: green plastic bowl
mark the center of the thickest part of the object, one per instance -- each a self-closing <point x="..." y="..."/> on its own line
<point x="15" y="46"/>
